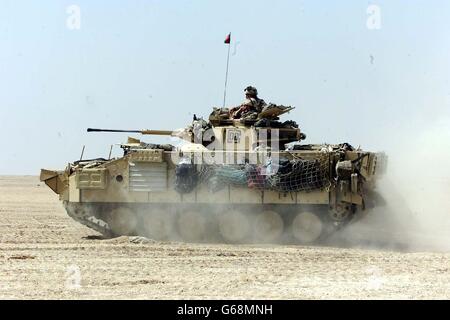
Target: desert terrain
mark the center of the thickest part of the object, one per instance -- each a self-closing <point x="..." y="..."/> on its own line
<point x="44" y="254"/>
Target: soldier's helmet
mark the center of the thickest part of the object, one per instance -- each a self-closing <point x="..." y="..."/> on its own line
<point x="251" y="91"/>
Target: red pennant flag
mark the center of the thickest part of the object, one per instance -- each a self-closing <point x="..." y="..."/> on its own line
<point x="228" y="39"/>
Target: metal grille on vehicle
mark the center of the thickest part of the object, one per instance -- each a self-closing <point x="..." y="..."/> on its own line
<point x="148" y="176"/>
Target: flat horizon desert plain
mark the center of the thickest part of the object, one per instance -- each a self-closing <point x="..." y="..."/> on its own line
<point x="44" y="254"/>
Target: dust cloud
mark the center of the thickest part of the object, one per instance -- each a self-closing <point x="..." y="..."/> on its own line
<point x="415" y="213"/>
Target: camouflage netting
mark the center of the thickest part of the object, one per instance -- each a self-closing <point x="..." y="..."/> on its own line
<point x="299" y="175"/>
<point x="283" y="176"/>
<point x="216" y="177"/>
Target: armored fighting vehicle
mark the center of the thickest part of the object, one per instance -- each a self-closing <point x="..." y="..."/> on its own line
<point x="246" y="180"/>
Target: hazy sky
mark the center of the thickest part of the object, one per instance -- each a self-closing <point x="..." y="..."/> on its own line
<point x="152" y="64"/>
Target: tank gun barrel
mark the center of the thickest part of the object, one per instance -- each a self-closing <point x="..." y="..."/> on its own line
<point x="147" y="132"/>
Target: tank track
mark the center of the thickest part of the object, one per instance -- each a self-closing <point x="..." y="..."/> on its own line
<point x="95" y="217"/>
<point x="79" y="214"/>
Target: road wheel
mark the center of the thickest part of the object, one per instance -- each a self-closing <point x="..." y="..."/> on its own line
<point x="122" y="221"/>
<point x="191" y="225"/>
<point x="234" y="226"/>
<point x="268" y="226"/>
<point x="158" y="225"/>
<point x="307" y="227"/>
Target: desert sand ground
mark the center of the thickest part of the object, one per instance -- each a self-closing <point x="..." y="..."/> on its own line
<point x="44" y="254"/>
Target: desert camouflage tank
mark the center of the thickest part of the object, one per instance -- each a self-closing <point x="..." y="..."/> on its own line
<point x="234" y="180"/>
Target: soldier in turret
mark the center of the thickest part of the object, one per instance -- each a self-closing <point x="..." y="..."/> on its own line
<point x="251" y="107"/>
